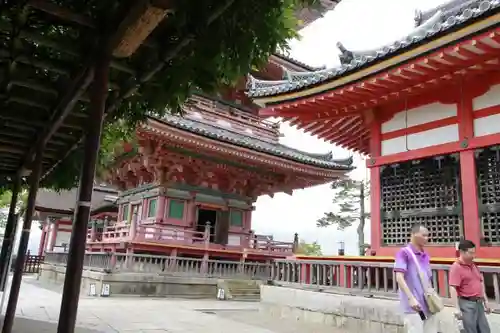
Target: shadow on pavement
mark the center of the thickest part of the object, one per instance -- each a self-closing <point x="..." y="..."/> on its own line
<point x="23" y="325"/>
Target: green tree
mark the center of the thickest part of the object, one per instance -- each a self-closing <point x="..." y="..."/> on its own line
<point x="309" y="249"/>
<point x="5" y="199"/>
<point x="349" y="197"/>
<point x="222" y="41"/>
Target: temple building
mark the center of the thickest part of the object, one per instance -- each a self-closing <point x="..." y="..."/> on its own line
<point x="188" y="182"/>
<point x="425" y="109"/>
<point x="54" y="211"/>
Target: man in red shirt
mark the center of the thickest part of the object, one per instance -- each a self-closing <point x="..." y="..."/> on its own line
<point x="467" y="290"/>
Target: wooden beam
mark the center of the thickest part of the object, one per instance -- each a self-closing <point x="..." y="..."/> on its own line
<point x="147" y="76"/>
<point x="66" y="103"/>
<point x="139" y="23"/>
<point x="62" y="13"/>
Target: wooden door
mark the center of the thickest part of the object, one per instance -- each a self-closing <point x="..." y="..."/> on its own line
<point x="136" y="213"/>
<point x="222" y="227"/>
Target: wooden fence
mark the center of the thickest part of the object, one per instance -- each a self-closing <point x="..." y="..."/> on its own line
<point x="33" y="263"/>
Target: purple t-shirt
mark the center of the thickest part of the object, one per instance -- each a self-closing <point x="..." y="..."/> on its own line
<point x="404" y="263"/>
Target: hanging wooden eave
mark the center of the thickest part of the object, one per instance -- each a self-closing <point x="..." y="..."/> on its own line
<point x="138" y="25"/>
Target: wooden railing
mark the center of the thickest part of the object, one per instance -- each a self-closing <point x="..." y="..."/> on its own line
<point x="157" y="233"/>
<point x="267" y="243"/>
<point x="368" y="278"/>
<point x="32" y="263"/>
<point x="241" y="120"/>
<point x="135" y="263"/>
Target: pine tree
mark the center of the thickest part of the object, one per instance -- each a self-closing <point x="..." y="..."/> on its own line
<point x="350" y="198"/>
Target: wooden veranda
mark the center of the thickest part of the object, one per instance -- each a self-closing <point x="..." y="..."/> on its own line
<point x="64" y="65"/>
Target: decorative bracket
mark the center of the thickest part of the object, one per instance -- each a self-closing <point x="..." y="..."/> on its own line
<point x="464" y="143"/>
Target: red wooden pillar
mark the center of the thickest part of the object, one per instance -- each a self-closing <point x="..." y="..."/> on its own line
<point x="53" y="235"/>
<point x="43" y="239"/>
<point x="191" y="210"/>
<point x="472" y="228"/>
<point x="375" y="202"/>
<point x="120" y="213"/>
<point x="160" y="212"/>
<point x="93" y="230"/>
<point x="375" y="199"/>
<point x="145" y="209"/>
<point x="305" y="273"/>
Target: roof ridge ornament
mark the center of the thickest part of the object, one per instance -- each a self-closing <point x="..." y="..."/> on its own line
<point x="345" y="55"/>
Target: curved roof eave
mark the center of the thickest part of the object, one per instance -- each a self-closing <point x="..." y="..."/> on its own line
<point x="325" y="161"/>
<point x="436" y="26"/>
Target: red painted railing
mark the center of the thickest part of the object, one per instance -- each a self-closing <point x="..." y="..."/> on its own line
<point x="156" y="233"/>
<point x="371" y="275"/>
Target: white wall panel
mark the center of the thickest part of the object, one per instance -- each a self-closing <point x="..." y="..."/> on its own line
<point x="419" y="140"/>
<point x="418" y="116"/>
<point x="490" y="98"/>
<point x="487" y="125"/>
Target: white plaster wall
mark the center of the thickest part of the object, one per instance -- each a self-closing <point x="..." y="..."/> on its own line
<point x="419" y="140"/>
<point x="490" y="124"/>
<point x="418" y="116"/>
<point x="62" y="237"/>
<point x="487" y="125"/>
<point x="490" y="98"/>
<point x="234" y="240"/>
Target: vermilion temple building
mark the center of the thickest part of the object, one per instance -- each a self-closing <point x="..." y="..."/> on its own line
<point x="55" y="210"/>
<point x="426" y="110"/>
<point x="188" y="183"/>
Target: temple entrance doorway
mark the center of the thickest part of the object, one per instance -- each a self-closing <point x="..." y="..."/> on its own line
<point x="207" y="215"/>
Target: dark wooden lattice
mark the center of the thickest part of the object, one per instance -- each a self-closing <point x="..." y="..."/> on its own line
<point x="488" y="182"/>
<point x="425" y="191"/>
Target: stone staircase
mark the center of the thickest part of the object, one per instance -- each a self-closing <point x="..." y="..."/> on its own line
<point x="239" y="290"/>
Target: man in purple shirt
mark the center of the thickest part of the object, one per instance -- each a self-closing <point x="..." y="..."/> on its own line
<point x="417" y="318"/>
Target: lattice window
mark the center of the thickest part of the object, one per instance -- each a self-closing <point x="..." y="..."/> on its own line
<point x="488" y="183"/>
<point x="426" y="191"/>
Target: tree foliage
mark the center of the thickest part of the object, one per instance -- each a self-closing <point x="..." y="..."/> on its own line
<point x="309" y="249"/>
<point x="349" y="197"/>
<point x="5" y="199"/>
<point x="218" y="53"/>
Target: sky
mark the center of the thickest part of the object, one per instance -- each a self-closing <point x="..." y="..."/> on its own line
<point x="359" y="25"/>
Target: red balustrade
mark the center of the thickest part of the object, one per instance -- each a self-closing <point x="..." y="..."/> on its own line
<point x="154" y="232"/>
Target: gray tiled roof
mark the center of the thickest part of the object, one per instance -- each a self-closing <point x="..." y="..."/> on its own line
<point x="223" y="134"/>
<point x="438" y="20"/>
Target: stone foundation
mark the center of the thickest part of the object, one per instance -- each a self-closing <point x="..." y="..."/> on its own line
<point x="139" y="284"/>
<point x="354" y="313"/>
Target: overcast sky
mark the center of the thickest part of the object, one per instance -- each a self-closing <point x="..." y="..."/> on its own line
<point x="359" y="25"/>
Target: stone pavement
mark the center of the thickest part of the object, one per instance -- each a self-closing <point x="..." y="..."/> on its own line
<point x="39" y="307"/>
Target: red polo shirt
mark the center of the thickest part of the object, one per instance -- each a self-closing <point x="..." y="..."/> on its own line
<point x="466" y="279"/>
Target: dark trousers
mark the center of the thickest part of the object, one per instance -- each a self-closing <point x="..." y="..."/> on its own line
<point x="474" y="316"/>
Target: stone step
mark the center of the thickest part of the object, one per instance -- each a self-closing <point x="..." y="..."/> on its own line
<point x="240" y="289"/>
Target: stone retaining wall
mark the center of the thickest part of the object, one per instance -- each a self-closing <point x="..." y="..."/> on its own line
<point x="140" y="284"/>
<point x="354" y="313"/>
